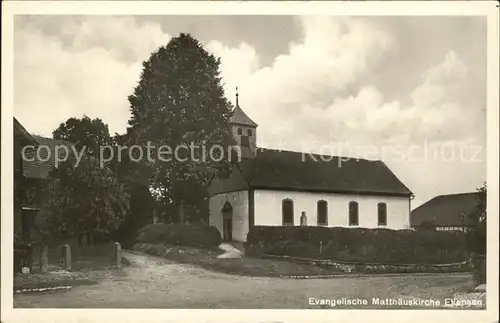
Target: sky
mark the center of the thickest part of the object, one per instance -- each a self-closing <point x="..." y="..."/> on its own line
<point x="409" y="90"/>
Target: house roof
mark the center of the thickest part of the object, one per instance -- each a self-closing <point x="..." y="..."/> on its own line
<point x="40" y="166"/>
<point x="289" y="170"/>
<point x="25" y="137"/>
<point x="447" y="210"/>
<point x="240" y="117"/>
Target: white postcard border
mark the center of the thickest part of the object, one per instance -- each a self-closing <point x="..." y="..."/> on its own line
<point x="11" y="8"/>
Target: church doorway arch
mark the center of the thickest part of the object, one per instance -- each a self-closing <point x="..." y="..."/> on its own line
<point x="227" y="222"/>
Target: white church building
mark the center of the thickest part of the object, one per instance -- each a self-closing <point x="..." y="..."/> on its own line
<point x="284" y="188"/>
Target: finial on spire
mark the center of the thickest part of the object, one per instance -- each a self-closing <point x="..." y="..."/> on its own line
<point x="237" y="95"/>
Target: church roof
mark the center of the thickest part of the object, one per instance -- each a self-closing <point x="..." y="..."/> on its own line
<point x="288" y="170"/>
<point x="240" y="117"/>
<point x="447" y="210"/>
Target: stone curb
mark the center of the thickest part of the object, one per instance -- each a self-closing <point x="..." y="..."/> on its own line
<point x="344" y="263"/>
<point x="42" y="289"/>
<point x="370" y="275"/>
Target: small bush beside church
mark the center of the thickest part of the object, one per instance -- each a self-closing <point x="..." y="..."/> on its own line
<point x="362" y="245"/>
<point x="192" y="235"/>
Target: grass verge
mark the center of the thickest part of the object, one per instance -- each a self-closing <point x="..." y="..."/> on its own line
<point x="87" y="271"/>
<point x="256" y="267"/>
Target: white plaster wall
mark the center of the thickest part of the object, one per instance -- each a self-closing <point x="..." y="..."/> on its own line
<point x="268" y="208"/>
<point x="239" y="201"/>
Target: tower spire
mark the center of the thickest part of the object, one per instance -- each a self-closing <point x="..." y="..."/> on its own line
<point x="237" y="95"/>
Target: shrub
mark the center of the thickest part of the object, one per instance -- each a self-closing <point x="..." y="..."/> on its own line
<point x="359" y="244"/>
<point x="152" y="249"/>
<point x="193" y="235"/>
<point x="479" y="265"/>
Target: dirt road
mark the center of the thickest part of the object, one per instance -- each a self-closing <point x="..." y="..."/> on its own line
<point x="153" y="282"/>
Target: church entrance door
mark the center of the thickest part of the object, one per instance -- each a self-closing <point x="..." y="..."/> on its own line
<point x="227" y="222"/>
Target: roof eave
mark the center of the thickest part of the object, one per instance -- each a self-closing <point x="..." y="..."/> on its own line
<point x="254" y="125"/>
<point x="325" y="190"/>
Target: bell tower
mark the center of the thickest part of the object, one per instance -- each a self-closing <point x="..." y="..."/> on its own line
<point x="244" y="131"/>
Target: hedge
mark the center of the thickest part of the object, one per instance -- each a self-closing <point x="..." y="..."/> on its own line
<point x="383" y="246"/>
<point x="193" y="235"/>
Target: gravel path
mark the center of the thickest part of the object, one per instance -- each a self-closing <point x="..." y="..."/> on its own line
<point x="154" y="282"/>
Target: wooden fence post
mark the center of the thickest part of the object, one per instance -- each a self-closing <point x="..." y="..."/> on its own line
<point x="44" y="259"/>
<point x="118" y="254"/>
<point x="67" y="256"/>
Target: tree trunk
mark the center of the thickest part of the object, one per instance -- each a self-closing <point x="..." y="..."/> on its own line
<point x="80" y="244"/>
<point x="180" y="212"/>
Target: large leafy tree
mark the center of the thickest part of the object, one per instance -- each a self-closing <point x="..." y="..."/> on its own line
<point x="85" y="132"/>
<point x="179" y="102"/>
<point x="87" y="199"/>
<point x="93" y="134"/>
<point x="135" y="177"/>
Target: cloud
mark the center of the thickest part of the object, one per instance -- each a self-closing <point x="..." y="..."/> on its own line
<point x="301" y="98"/>
<point x="91" y="69"/>
<point x="331" y="55"/>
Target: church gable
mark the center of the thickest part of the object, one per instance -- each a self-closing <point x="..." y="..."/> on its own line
<point x="235" y="182"/>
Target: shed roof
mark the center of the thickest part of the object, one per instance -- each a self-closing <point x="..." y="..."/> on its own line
<point x="25" y="137"/>
<point x="447" y="210"/>
<point x="41" y="160"/>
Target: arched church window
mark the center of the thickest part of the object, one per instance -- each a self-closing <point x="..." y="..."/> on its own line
<point x="353" y="213"/>
<point x="382" y="213"/>
<point x="287" y="212"/>
<point x="322" y="213"/>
